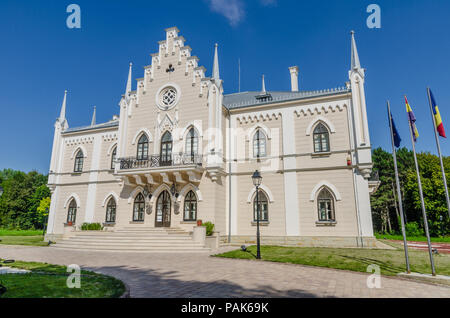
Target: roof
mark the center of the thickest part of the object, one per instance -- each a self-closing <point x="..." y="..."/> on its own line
<point x="241" y="100"/>
<point x="249" y="99"/>
<point x="110" y="124"/>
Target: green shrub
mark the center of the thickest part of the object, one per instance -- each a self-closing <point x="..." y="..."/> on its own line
<point x="91" y="227"/>
<point x="413" y="229"/>
<point x="209" y="228"/>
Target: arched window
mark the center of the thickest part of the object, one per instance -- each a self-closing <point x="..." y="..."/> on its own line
<point x="79" y="159"/>
<point x="321" y="139"/>
<point x="139" y="208"/>
<point x="113" y="158"/>
<point x="190" y="207"/>
<point x="111" y="211"/>
<point x="166" y="149"/>
<point x="325" y="205"/>
<point x="259" y="144"/>
<point x="261" y="201"/>
<point x="142" y="149"/>
<point x="72" y="212"/>
<point x="192" y="143"/>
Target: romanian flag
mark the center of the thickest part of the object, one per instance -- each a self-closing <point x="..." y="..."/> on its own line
<point x="437" y="116"/>
<point x="412" y="120"/>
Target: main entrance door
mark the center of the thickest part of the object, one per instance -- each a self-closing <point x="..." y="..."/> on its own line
<point x="163" y="207"/>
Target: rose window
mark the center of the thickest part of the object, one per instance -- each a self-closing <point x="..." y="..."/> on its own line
<point x="168" y="97"/>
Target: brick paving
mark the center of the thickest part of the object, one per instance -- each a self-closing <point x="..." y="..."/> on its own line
<point x="198" y="275"/>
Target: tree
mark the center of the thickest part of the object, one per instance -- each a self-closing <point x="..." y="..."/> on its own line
<point x="384" y="206"/>
<point x="42" y="209"/>
<point x="21" y="198"/>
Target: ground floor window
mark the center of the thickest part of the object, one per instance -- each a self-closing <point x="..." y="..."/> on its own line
<point x="260" y="203"/>
<point x="325" y="203"/>
<point x="190" y="207"/>
<point x="72" y="212"/>
<point x="111" y="211"/>
<point x="139" y="208"/>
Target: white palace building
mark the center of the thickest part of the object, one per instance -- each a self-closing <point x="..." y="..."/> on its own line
<point x="182" y="150"/>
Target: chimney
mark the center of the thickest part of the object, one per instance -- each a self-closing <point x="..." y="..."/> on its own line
<point x="294" y="78"/>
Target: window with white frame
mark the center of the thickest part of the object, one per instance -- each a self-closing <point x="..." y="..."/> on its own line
<point x="72" y="212"/>
<point x="79" y="160"/>
<point x="113" y="157"/>
<point x="321" y="139"/>
<point x="111" y="208"/>
<point x="259" y="144"/>
<point x="261" y="204"/>
<point x="190" y="207"/>
<point x="142" y="148"/>
<point x="325" y="206"/>
<point x="192" y="142"/>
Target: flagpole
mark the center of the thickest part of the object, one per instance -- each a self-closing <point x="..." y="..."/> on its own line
<point x="425" y="220"/>
<point x="399" y="193"/>
<point x="439" y="151"/>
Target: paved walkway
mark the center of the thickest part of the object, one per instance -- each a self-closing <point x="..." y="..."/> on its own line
<point x="198" y="275"/>
<point x="441" y="247"/>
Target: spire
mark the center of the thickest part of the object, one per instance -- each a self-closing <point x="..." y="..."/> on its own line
<point x="129" y="81"/>
<point x="62" y="115"/>
<point x="355" y="58"/>
<point x="216" y="73"/>
<point x="263" y="85"/>
<point x="93" y="116"/>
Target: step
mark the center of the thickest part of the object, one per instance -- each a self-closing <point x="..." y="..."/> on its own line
<point x="140" y="250"/>
<point x="128" y="248"/>
<point x="115" y="245"/>
<point x="131" y="240"/>
<point x="134" y="235"/>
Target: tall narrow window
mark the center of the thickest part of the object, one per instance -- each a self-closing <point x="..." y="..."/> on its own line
<point x="139" y="208"/>
<point x="325" y="205"/>
<point x="166" y="149"/>
<point x="190" y="207"/>
<point x="321" y="139"/>
<point x="192" y="144"/>
<point x="142" y="149"/>
<point x="259" y="144"/>
<point x="260" y="203"/>
<point x="113" y="158"/>
<point x="79" y="159"/>
<point x="111" y="211"/>
<point x="72" y="212"/>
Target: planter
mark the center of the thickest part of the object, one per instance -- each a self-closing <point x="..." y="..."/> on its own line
<point x="69" y="223"/>
<point x="199" y="222"/>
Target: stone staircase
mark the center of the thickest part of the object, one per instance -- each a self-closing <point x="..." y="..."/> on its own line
<point x="134" y="239"/>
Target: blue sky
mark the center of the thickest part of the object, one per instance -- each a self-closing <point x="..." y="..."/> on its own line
<point x="40" y="58"/>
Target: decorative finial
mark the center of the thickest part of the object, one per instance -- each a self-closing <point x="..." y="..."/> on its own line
<point x="216" y="72"/>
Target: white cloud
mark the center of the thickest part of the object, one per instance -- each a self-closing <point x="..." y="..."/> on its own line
<point x="232" y="10"/>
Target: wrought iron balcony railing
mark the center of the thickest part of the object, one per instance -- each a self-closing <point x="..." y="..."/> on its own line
<point x="156" y="161"/>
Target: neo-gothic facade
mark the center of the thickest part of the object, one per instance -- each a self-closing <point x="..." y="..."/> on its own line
<point x="182" y="150"/>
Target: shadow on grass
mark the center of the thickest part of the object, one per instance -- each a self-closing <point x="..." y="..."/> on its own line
<point x="371" y="261"/>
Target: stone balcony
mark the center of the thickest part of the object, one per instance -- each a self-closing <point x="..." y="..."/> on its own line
<point x="179" y="168"/>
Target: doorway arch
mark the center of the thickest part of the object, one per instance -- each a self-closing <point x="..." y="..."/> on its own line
<point x="163" y="210"/>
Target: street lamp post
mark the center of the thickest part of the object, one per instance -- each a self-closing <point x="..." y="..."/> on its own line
<point x="257" y="179"/>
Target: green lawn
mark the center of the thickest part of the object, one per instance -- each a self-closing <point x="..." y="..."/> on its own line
<point x="391" y="262"/>
<point x="22" y="237"/>
<point x="412" y="238"/>
<point x="4" y="232"/>
<point x="49" y="281"/>
<point x="23" y="240"/>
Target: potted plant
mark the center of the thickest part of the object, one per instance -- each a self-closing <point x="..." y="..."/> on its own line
<point x="199" y="222"/>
